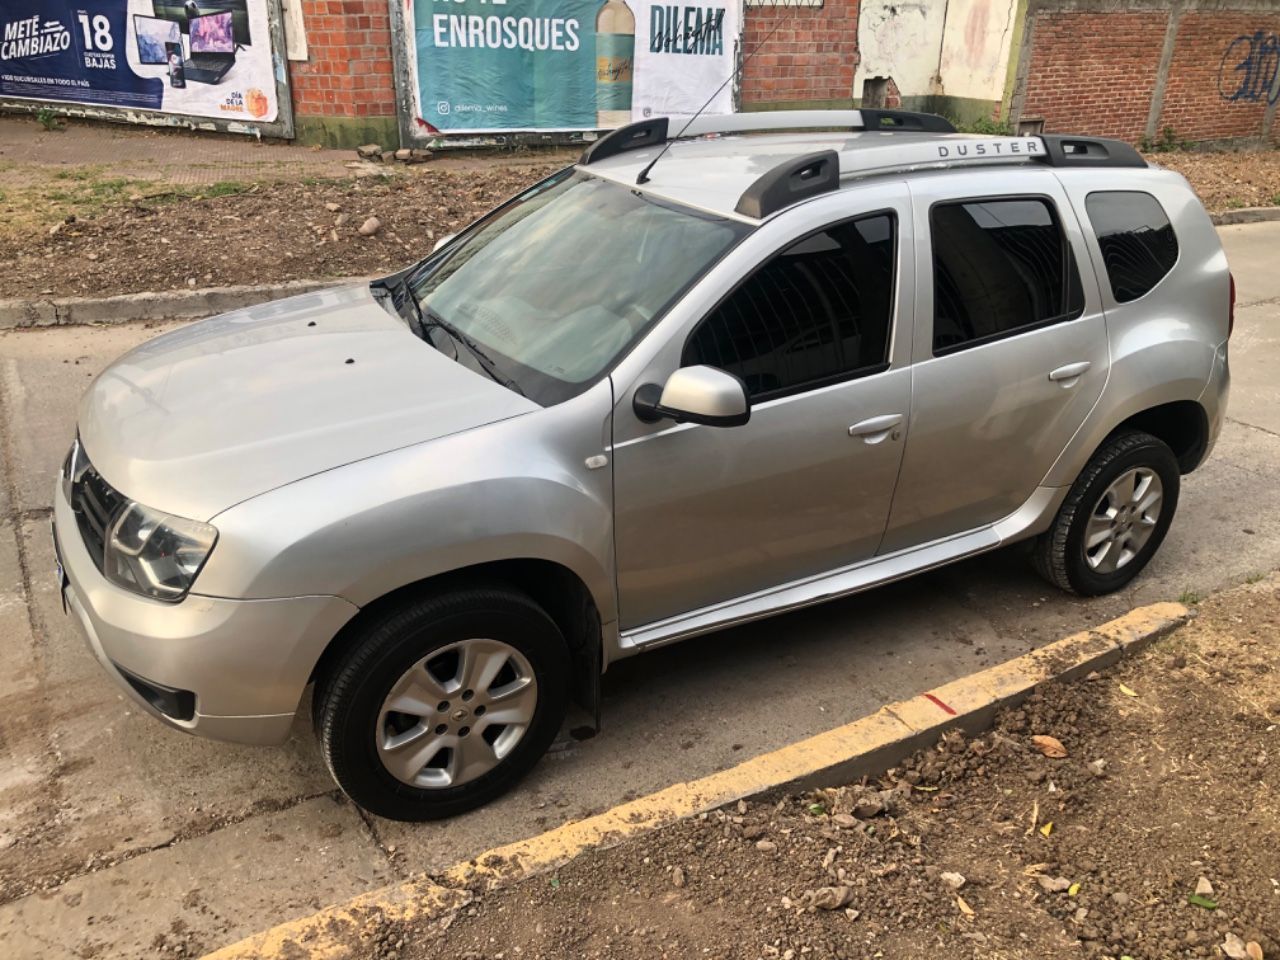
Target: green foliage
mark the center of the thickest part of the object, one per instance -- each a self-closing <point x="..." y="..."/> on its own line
<point x="985" y="126"/>
<point x="48" y="119"/>
<point x="1168" y="143"/>
<point x="1189" y="598"/>
<point x="226" y="188"/>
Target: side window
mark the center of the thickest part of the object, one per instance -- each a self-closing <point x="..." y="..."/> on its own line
<point x="817" y="312"/>
<point x="999" y="267"/>
<point x="1136" y="238"/>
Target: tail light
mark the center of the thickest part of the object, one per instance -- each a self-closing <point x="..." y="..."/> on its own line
<point x="1231" y="309"/>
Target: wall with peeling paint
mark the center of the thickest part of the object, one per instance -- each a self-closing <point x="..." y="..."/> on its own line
<point x="902" y="41"/>
<point x="975" y="48"/>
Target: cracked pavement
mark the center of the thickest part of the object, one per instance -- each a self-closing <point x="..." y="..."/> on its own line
<point x="121" y="838"/>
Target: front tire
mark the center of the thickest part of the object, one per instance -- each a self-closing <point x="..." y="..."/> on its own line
<point x="1114" y="518"/>
<point x="443" y="703"/>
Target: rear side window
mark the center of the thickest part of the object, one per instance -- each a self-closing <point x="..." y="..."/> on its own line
<point x="1136" y="238"/>
<point x="817" y="312"/>
<point x="999" y="267"/>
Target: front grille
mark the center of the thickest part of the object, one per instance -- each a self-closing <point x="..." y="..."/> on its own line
<point x="95" y="503"/>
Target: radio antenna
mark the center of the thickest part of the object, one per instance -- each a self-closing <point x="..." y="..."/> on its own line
<point x="644" y="174"/>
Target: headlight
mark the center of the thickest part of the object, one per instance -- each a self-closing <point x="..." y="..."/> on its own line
<point x="156" y="554"/>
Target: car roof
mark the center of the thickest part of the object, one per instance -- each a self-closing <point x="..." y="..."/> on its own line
<point x="718" y="170"/>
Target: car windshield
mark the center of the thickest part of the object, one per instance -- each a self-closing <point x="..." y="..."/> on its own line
<point x="561" y="281"/>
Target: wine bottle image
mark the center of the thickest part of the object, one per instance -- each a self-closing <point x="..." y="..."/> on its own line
<point x="615" y="54"/>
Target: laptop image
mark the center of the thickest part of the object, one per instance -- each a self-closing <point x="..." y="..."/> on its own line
<point x="151" y="34"/>
<point x="213" y="47"/>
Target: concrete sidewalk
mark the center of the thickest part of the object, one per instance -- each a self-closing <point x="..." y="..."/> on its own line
<point x="30" y="154"/>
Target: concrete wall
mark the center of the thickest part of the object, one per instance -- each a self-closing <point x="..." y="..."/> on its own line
<point x="902" y="41"/>
<point x="975" y="48"/>
<point x="945" y="57"/>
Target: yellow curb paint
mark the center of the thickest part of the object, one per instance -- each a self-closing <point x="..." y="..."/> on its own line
<point x="882" y="738"/>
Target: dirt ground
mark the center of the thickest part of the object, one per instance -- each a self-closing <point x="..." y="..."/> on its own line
<point x="1228" y="180"/>
<point x="99" y="210"/>
<point x="1154" y="837"/>
<point x="156" y="237"/>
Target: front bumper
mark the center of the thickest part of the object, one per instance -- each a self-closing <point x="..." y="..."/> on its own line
<point x="246" y="662"/>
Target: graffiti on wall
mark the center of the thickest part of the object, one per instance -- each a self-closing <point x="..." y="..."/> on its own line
<point x="1249" y="69"/>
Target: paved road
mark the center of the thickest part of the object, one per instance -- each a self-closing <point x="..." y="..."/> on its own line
<point x="118" y="836"/>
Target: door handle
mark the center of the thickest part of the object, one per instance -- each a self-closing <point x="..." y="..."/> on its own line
<point x="876" y="429"/>
<point x="1071" y="372"/>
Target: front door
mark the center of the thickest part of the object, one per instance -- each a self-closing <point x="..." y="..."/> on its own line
<point x="705" y="515"/>
<point x="1011" y="350"/>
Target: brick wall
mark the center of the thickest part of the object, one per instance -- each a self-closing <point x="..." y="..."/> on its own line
<point x="1203" y="79"/>
<point x="1094" y="68"/>
<point x="348" y="70"/>
<point x="1094" y="72"/>
<point x="810" y="53"/>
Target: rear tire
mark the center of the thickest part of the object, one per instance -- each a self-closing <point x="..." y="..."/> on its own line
<point x="443" y="703"/>
<point x="1114" y="518"/>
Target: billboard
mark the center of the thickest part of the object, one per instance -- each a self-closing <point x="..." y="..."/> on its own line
<point x="208" y="59"/>
<point x="497" y="66"/>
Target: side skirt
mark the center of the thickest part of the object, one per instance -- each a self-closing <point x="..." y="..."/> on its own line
<point x="1028" y="520"/>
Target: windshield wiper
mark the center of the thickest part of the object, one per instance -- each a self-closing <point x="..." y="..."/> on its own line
<point x="426" y="320"/>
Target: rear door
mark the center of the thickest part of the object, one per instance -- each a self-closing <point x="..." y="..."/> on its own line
<point x="1010" y="351"/>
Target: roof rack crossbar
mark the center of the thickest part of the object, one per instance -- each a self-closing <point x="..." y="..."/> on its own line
<point x="634" y="136"/>
<point x="647" y="133"/>
<point x="790" y="182"/>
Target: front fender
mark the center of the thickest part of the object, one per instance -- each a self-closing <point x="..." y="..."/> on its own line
<point x="517" y="489"/>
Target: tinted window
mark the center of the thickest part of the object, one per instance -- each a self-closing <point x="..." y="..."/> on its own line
<point x="999" y="266"/>
<point x="1136" y="238"/>
<point x="817" y="312"/>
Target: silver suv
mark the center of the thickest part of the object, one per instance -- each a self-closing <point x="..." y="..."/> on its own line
<point x="690" y="381"/>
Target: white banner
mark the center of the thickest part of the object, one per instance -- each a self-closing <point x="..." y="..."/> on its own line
<point x="683" y="55"/>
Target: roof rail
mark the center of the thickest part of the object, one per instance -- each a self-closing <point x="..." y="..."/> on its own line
<point x="1066" y="151"/>
<point x="647" y="133"/>
<point x="803" y="177"/>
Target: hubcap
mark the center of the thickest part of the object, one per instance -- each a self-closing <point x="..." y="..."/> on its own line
<point x="1123" y="520"/>
<point x="456" y="713"/>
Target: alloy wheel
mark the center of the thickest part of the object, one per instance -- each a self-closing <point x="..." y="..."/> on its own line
<point x="456" y="713"/>
<point x="1123" y="520"/>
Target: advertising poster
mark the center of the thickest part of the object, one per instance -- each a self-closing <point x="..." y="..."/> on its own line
<point x="202" y="58"/>
<point x="493" y="66"/>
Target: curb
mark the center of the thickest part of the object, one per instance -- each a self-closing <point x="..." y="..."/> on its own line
<point x="166" y="305"/>
<point x="863" y="748"/>
<point x="1245" y="215"/>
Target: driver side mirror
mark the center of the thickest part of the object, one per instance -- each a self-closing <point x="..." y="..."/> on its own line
<point x="699" y="394"/>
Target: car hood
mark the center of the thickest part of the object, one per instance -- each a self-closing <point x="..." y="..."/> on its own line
<point x="202" y="418"/>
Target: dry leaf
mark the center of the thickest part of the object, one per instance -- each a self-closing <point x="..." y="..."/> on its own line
<point x="1127" y="691"/>
<point x="1049" y="746"/>
<point x="1035" y="818"/>
<point x="1073" y="889"/>
<point x="1047" y="828"/>
<point x="964" y="907"/>
<point x="1254" y="950"/>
